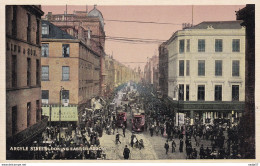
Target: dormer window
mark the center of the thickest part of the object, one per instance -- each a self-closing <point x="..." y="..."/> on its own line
<point x="45" y="29"/>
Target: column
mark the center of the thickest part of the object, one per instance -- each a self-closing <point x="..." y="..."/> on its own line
<point x="191" y="117"/>
<point x="211" y="117"/>
<point x="203" y="117"/>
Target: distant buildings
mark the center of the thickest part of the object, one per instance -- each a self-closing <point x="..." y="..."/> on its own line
<point x="151" y="72"/>
<point x="163" y="69"/>
<point x="23" y="72"/>
<point x="206" y="73"/>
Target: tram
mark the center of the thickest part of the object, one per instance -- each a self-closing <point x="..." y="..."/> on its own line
<point x="138" y="120"/>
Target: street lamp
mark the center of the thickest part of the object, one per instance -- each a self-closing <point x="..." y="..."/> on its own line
<point x="61" y="89"/>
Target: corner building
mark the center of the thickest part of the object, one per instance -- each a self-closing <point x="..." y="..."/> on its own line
<point x="69" y="63"/>
<point x="23" y="83"/>
<point x="89" y="28"/>
<point x="207" y="72"/>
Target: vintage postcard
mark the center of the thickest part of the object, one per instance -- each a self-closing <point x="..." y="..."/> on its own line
<point x="129" y="82"/>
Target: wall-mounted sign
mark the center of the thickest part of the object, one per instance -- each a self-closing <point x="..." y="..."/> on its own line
<point x="67" y="113"/>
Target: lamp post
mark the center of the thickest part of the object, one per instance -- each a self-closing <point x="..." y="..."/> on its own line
<point x="61" y="89"/>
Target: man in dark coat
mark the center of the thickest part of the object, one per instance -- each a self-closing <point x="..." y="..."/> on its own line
<point x="202" y="153"/>
<point x="173" y="146"/>
<point x="126" y="153"/>
<point x="117" y="138"/>
<point x="181" y="145"/>
<point x="166" y="146"/>
<point x="123" y="130"/>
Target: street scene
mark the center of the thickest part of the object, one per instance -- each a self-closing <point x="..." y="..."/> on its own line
<point x="73" y="94"/>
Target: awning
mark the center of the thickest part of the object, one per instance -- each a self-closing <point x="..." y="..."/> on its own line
<point x="67" y="113"/>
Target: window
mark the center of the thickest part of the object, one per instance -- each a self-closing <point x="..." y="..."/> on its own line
<point x="218" y="68"/>
<point x="235" y="68"/>
<point x="65" y="96"/>
<point x="181" y="46"/>
<point x="45" y="96"/>
<point x="28" y="27"/>
<point x="181" y="67"/>
<point x="38" y="111"/>
<point x="187" y="67"/>
<point x="14" y="71"/>
<point x="181" y="92"/>
<point x="218" y="92"/>
<point x="65" y="73"/>
<point x="28" y="71"/>
<point x="38" y="72"/>
<point x="14" y="120"/>
<point x="65" y="50"/>
<point x="201" y="45"/>
<point x="235" y="92"/>
<point x="45" y="73"/>
<point x="236" y="45"/>
<point x="38" y="32"/>
<point x="188" y="45"/>
<point x="28" y="114"/>
<point x="218" y="45"/>
<point x="187" y="92"/>
<point x="14" y="21"/>
<point x="45" y="29"/>
<point x="45" y="50"/>
<point x="201" y="68"/>
<point x="201" y="92"/>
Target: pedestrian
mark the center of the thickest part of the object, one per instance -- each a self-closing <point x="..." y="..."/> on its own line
<point x="126" y="153"/>
<point x="117" y="138"/>
<point x="194" y="153"/>
<point x="181" y="145"/>
<point x="123" y="130"/>
<point x="173" y="145"/>
<point x="166" y="146"/>
<point x="132" y="139"/>
<point x="202" y="153"/>
<point x="151" y="131"/>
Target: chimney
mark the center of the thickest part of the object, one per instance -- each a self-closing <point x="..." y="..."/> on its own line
<point x="49" y="16"/>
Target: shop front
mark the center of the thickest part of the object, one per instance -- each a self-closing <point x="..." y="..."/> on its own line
<point x="62" y="115"/>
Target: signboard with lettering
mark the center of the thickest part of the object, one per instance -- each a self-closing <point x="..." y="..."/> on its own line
<point x="67" y="113"/>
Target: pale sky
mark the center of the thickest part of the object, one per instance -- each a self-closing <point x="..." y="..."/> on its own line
<point x="176" y="15"/>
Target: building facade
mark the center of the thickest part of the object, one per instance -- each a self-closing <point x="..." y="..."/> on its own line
<point x="23" y="82"/>
<point x="163" y="69"/>
<point x="151" y="72"/>
<point x="87" y="27"/>
<point x="69" y="63"/>
<point x="247" y="15"/>
<point x="206" y="70"/>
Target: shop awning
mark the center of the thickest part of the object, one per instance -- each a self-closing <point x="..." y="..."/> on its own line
<point x="67" y="113"/>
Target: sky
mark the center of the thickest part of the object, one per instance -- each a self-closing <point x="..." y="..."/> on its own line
<point x="135" y="54"/>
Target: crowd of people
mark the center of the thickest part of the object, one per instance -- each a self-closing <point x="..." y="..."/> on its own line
<point x="198" y="141"/>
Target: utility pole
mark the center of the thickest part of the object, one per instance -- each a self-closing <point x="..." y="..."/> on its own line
<point x="60" y="112"/>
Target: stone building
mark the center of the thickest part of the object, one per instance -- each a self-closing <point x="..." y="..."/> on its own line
<point x="23" y="71"/>
<point x="206" y="72"/>
<point x="151" y="72"/>
<point x="69" y="63"/>
<point x="247" y="15"/>
<point x="87" y="27"/>
<point x="163" y="69"/>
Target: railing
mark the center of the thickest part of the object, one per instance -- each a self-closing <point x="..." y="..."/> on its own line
<point x="27" y="134"/>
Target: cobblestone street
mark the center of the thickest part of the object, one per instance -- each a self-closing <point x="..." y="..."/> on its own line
<point x="154" y="147"/>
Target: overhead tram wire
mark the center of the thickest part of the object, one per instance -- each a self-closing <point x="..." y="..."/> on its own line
<point x="144" y="22"/>
<point x="132" y="40"/>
